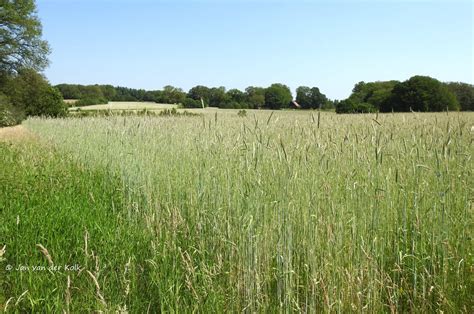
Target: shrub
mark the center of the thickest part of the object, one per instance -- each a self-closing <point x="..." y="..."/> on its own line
<point x="350" y="106"/>
<point x="29" y="92"/>
<point x="9" y="115"/>
<point x="192" y="103"/>
<point x="242" y="113"/>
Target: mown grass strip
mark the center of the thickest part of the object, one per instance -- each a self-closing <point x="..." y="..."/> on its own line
<point x="67" y="244"/>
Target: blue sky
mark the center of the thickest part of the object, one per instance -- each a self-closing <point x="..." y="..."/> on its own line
<point x="329" y="44"/>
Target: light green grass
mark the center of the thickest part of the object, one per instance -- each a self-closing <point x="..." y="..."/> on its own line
<point x="126" y="105"/>
<point x="285" y="211"/>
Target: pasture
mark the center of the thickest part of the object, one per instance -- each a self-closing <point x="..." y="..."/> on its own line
<point x="126" y="105"/>
<point x="285" y="211"/>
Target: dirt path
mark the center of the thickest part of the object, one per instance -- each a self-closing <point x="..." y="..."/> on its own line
<point x="15" y="133"/>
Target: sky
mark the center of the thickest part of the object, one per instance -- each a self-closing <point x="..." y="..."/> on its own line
<point x="329" y="44"/>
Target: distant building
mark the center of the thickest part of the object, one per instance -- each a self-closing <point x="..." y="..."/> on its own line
<point x="294" y="105"/>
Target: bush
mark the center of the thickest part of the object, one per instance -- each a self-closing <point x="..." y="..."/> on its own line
<point x="350" y="106"/>
<point x="192" y="103"/>
<point x="29" y="92"/>
<point x="242" y="113"/>
<point x="9" y="115"/>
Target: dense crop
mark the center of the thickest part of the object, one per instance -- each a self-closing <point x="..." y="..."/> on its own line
<point x="273" y="211"/>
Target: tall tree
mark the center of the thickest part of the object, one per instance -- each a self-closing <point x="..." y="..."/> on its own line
<point x="200" y="92"/>
<point x="31" y="93"/>
<point x="310" y="97"/>
<point x="277" y="96"/>
<point x="374" y="93"/>
<point x="464" y="93"/>
<point x="218" y="97"/>
<point x="255" y="96"/>
<point x="172" y="95"/>
<point x="421" y="93"/>
<point x="21" y="45"/>
<point x="303" y="96"/>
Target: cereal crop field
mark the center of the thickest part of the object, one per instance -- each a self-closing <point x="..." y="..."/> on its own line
<point x="284" y="211"/>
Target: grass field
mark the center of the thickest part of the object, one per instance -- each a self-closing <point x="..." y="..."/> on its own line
<point x="126" y="105"/>
<point x="272" y="212"/>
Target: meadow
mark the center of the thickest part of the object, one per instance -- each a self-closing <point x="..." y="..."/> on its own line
<point x="284" y="211"/>
<point x="124" y="105"/>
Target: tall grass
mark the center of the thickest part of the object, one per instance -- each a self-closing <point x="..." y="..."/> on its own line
<point x="285" y="213"/>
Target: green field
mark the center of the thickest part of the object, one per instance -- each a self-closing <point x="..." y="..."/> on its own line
<point x="286" y="211"/>
<point x="125" y="105"/>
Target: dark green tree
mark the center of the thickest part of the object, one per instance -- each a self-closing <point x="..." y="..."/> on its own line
<point x="108" y="91"/>
<point x="350" y="106"/>
<point x="218" y="97"/>
<point x="277" y="96"/>
<point x="374" y="93"/>
<point x="69" y="91"/>
<point x="21" y="45"/>
<point x="172" y="95"/>
<point x="236" y="95"/>
<point x="303" y="96"/>
<point x="310" y="98"/>
<point x="420" y="93"/>
<point x="200" y="92"/>
<point x="464" y="93"/>
<point x="30" y="92"/>
<point x="255" y="97"/>
<point x="191" y="103"/>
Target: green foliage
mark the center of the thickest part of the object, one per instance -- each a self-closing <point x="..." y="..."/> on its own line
<point x="329" y="105"/>
<point x="242" y="113"/>
<point x="464" y="93"/>
<point x="21" y="45"/>
<point x="374" y="93"/>
<point x="175" y="113"/>
<point x="277" y="96"/>
<point x="420" y="93"/>
<point x="255" y="97"/>
<point x="31" y="93"/>
<point x="218" y="97"/>
<point x="200" y="92"/>
<point x="351" y="106"/>
<point x="9" y="115"/>
<point x="236" y="95"/>
<point x="192" y="103"/>
<point x="310" y="98"/>
<point x="172" y="95"/>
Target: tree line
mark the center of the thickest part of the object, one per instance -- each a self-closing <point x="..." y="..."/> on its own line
<point x="276" y="96"/>
<point x="24" y="91"/>
<point x="419" y="93"/>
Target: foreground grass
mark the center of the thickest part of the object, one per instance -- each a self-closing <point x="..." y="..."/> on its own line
<point x="95" y="258"/>
<point x="273" y="212"/>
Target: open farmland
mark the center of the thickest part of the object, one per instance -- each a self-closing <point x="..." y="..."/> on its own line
<point x="272" y="212"/>
<point x="126" y="105"/>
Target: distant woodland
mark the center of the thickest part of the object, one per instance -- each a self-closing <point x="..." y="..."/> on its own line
<point x="419" y="93"/>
